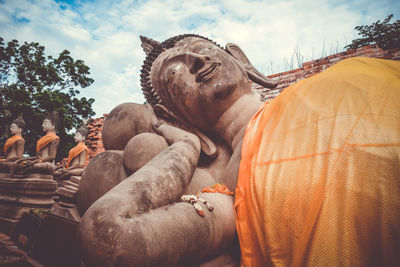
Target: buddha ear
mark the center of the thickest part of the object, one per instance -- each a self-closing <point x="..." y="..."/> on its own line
<point x="207" y="145"/>
<point x="149" y="44"/>
<point x="164" y="113"/>
<point x="252" y="72"/>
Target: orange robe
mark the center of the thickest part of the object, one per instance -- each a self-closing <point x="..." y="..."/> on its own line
<point x="11" y="141"/>
<point x="44" y="140"/>
<point x="76" y="150"/>
<point x="319" y="179"/>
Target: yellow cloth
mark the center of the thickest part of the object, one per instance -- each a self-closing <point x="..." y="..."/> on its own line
<point x="319" y="179"/>
<point x="76" y="150"/>
<point x="44" y="140"/>
<point x="10" y="141"/>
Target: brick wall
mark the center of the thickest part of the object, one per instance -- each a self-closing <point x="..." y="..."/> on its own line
<point x="94" y="141"/>
<point x="285" y="79"/>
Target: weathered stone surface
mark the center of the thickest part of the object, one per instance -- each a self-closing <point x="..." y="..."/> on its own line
<point x="67" y="212"/>
<point x="69" y="183"/>
<point x="27" y="184"/>
<point x="102" y="174"/>
<point x="136" y="154"/>
<point x="124" y="122"/>
<point x="19" y="195"/>
<point x="67" y="192"/>
<point x="75" y="179"/>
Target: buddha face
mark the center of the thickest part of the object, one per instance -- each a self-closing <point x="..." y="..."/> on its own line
<point x="47" y="126"/>
<point x="199" y="81"/>
<point x="15" y="129"/>
<point x="79" y="137"/>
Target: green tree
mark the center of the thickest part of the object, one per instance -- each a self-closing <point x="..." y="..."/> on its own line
<point x="34" y="85"/>
<point x="384" y="34"/>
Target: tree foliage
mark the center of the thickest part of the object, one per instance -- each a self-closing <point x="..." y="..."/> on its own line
<point x="34" y="85"/>
<point x="384" y="34"/>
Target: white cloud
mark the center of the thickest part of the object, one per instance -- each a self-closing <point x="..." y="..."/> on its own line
<point x="105" y="34"/>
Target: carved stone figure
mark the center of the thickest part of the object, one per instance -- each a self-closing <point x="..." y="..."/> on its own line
<point x="14" y="146"/>
<point x="109" y="168"/>
<point x="77" y="157"/>
<point x="310" y="189"/>
<point x="30" y="183"/>
<point x="171" y="171"/>
<point x="46" y="149"/>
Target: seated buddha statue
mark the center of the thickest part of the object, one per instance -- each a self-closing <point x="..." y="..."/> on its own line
<point x="14" y="146"/>
<point x="46" y="149"/>
<point x="77" y="157"/>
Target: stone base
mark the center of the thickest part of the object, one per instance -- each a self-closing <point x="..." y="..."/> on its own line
<point x="4" y="175"/>
<point x="19" y="195"/>
<point x="27" y="186"/>
<point x="75" y="179"/>
<point x="7" y="225"/>
<point x="67" y="212"/>
<point x="71" y="184"/>
<point x="33" y="175"/>
<point x="67" y="193"/>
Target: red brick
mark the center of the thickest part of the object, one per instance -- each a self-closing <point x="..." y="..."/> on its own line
<point x="274" y="75"/>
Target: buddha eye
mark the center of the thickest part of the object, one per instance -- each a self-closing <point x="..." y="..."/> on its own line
<point x="173" y="72"/>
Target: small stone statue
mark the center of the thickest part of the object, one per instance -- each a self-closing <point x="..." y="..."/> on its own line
<point x="14" y="146"/>
<point x="76" y="158"/>
<point x="46" y="149"/>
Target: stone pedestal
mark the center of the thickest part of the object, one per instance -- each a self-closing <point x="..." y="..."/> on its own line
<point x="20" y="194"/>
<point x="67" y="192"/>
<point x="66" y="199"/>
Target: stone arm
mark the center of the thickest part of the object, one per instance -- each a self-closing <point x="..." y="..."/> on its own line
<point x="140" y="223"/>
<point x="79" y="161"/>
<point x="19" y="146"/>
<point x="52" y="151"/>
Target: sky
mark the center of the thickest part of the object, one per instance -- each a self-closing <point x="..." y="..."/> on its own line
<point x="275" y="35"/>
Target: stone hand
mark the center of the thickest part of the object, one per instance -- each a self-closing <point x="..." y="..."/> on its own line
<point x="173" y="134"/>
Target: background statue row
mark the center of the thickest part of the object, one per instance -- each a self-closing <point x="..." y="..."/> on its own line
<point x="46" y="149"/>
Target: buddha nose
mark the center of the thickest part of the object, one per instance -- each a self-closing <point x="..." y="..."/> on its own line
<point x="197" y="62"/>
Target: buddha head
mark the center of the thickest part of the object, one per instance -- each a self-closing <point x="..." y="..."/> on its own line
<point x="50" y="122"/>
<point x="81" y="134"/>
<point x="195" y="79"/>
<point x="17" y="126"/>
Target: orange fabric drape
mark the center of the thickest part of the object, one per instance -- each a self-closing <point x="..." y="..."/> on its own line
<point x="44" y="140"/>
<point x="217" y="188"/>
<point x="10" y="141"/>
<point x="319" y="179"/>
<point x="76" y="150"/>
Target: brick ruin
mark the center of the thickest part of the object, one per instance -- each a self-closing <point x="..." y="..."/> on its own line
<point x="94" y="141"/>
<point x="310" y="68"/>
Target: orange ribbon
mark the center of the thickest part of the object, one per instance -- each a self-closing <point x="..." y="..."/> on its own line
<point x="45" y="140"/>
<point x="217" y="188"/>
<point x="10" y="141"/>
<point x="76" y="150"/>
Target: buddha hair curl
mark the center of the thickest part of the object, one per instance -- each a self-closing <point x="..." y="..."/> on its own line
<point x="156" y="49"/>
<point x="54" y="118"/>
<point x="83" y="131"/>
<point x="19" y="122"/>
